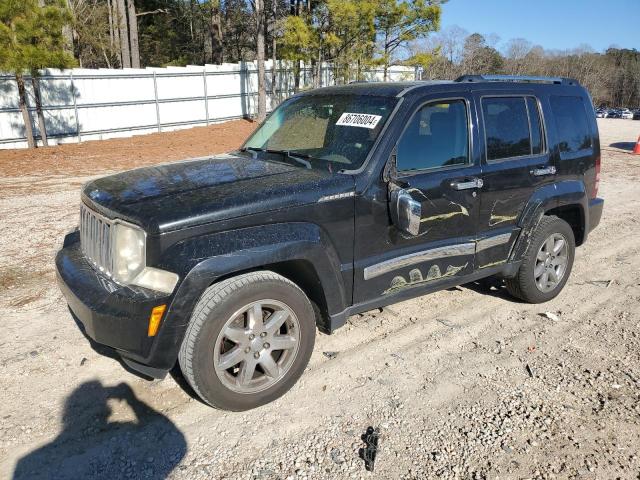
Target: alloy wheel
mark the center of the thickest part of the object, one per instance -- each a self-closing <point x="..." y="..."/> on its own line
<point x="257" y="346"/>
<point x="551" y="262"/>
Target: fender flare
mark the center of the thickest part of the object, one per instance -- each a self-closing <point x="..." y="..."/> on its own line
<point x="545" y="198"/>
<point x="201" y="261"/>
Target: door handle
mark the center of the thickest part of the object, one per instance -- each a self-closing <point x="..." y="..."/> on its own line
<point x="467" y="184"/>
<point x="541" y="172"/>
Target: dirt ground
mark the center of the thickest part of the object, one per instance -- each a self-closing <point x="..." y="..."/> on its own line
<point x="465" y="383"/>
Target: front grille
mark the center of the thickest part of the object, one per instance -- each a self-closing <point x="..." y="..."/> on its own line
<point x="95" y="239"/>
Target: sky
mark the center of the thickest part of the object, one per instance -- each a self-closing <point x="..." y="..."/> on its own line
<point x="554" y="24"/>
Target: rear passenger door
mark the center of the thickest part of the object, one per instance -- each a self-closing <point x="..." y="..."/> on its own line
<point x="516" y="162"/>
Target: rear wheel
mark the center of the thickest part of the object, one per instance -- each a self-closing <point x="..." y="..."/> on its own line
<point x="249" y="340"/>
<point x="547" y="263"/>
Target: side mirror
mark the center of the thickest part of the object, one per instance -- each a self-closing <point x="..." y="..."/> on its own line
<point x="406" y="212"/>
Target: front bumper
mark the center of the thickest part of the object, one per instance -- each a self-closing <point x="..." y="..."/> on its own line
<point x="595" y="212"/>
<point x="113" y="315"/>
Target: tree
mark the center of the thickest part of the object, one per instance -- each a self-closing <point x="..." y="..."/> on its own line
<point x="402" y="21"/>
<point x="516" y="54"/>
<point x="31" y="39"/>
<point x="478" y="58"/>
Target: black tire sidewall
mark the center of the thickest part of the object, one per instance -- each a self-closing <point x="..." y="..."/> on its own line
<point x="528" y="287"/>
<point x="209" y="385"/>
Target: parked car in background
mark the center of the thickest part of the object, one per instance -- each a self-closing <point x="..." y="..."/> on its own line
<point x="636" y="114"/>
<point x="601" y="113"/>
<point x="626" y="114"/>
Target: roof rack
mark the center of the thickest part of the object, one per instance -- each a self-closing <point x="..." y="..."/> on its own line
<point x="516" y="78"/>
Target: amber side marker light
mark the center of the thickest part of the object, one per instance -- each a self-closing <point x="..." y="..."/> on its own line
<point x="154" y="319"/>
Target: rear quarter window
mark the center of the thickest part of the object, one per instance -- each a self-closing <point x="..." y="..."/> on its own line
<point x="506" y="127"/>
<point x="572" y="124"/>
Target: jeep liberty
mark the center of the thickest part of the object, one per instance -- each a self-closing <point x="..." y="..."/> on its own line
<point x="345" y="199"/>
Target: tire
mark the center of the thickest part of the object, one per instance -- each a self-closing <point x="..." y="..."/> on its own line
<point x="232" y="309"/>
<point x="525" y="285"/>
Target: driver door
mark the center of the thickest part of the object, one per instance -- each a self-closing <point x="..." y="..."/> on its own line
<point x="436" y="172"/>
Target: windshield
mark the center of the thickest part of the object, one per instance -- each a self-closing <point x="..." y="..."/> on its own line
<point x="333" y="132"/>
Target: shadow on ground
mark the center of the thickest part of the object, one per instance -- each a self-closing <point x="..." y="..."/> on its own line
<point x="623" y="145"/>
<point x="93" y="444"/>
<point x="493" y="287"/>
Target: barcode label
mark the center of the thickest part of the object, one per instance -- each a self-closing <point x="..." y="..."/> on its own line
<point x="362" y="120"/>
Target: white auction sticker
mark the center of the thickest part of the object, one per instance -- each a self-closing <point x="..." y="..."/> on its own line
<point x="363" y="120"/>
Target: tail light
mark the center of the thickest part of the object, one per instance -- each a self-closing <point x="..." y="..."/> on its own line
<point x="596" y="184"/>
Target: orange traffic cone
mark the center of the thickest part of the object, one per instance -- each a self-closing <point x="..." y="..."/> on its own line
<point x="636" y="149"/>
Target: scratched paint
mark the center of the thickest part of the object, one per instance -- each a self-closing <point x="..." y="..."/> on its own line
<point x="445" y="216"/>
<point x="416" y="278"/>
<point x="493" y="264"/>
<point x="496" y="218"/>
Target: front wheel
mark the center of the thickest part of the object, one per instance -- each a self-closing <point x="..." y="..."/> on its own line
<point x="249" y="340"/>
<point x="547" y="263"/>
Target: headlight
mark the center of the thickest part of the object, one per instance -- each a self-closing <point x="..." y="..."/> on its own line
<point x="129" y="252"/>
<point x="129" y="261"/>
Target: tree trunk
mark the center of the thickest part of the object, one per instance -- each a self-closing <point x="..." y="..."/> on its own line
<point x="35" y="83"/>
<point x="133" y="34"/>
<point x="116" y="30"/>
<point x="319" y="69"/>
<point x="67" y="33"/>
<point x="296" y="76"/>
<point x="386" y="56"/>
<point x="111" y="29"/>
<point x="262" y="92"/>
<point x="26" y="116"/>
<point x="274" y="61"/>
<point x="215" y="32"/>
<point x="124" y="34"/>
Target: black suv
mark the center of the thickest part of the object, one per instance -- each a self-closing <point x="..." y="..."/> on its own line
<point x="345" y="199"/>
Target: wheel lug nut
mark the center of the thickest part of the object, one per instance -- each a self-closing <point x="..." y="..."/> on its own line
<point x="252" y="336"/>
<point x="263" y="334"/>
<point x="247" y="350"/>
<point x="266" y="345"/>
<point x="256" y="355"/>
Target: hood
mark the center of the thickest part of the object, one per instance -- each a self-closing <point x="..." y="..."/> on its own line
<point x="189" y="193"/>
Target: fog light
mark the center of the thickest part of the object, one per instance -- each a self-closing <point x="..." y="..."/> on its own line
<point x="154" y="319"/>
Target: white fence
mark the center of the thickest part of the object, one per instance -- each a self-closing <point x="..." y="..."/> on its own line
<point x="83" y="104"/>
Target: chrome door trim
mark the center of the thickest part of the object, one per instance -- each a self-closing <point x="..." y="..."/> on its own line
<point x="387" y="266"/>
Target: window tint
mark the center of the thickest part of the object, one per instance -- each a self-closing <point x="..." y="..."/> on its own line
<point x="507" y="127"/>
<point x="437" y="136"/>
<point x="571" y="122"/>
<point x="536" y="126"/>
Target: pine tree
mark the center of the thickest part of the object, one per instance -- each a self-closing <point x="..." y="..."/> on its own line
<point x="399" y="22"/>
<point x="31" y="39"/>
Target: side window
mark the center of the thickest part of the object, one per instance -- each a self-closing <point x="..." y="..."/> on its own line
<point x="506" y="126"/>
<point x="571" y="122"/>
<point x="537" y="145"/>
<point x="437" y="136"/>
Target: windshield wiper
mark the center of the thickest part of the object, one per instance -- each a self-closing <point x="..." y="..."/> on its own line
<point x="293" y="155"/>
<point x="298" y="157"/>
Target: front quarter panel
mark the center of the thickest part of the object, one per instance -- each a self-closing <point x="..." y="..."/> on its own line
<point x="203" y="260"/>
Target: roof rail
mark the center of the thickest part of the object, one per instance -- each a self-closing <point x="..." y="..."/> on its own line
<point x="516" y="78"/>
